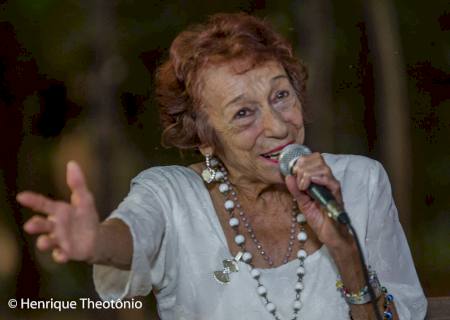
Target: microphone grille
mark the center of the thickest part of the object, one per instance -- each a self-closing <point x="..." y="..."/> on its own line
<point x="289" y="153"/>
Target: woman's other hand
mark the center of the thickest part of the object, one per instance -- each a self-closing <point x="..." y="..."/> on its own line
<point x="313" y="169"/>
<point x="69" y="230"/>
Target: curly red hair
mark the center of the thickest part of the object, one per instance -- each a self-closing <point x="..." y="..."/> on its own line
<point x="224" y="38"/>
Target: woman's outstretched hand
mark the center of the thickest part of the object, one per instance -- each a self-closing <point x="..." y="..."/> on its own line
<point x="69" y="230"/>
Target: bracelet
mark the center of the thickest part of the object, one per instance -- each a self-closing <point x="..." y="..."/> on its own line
<point x="363" y="295"/>
<point x="388" y="298"/>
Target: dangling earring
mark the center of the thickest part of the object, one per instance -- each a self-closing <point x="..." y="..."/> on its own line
<point x="209" y="173"/>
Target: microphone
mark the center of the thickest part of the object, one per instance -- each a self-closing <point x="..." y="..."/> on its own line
<point x="288" y="158"/>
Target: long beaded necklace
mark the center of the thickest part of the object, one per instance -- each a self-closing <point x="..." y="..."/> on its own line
<point x="232" y="204"/>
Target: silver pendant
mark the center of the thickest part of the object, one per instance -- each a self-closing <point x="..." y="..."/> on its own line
<point x="229" y="266"/>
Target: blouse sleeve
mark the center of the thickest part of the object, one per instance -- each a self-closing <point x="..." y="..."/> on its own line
<point x="387" y="249"/>
<point x="153" y="249"/>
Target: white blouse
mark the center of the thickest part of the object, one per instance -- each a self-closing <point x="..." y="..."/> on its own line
<point x="178" y="243"/>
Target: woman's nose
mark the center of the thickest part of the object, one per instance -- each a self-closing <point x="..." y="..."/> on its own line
<point x="274" y="124"/>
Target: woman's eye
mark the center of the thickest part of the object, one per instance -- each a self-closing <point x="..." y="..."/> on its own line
<point x="242" y="113"/>
<point x="281" y="94"/>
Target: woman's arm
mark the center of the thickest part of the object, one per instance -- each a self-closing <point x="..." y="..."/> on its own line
<point x="351" y="273"/>
<point x="114" y="246"/>
<point x="341" y="245"/>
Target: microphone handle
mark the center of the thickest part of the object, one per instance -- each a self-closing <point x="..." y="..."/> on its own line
<point x="324" y="196"/>
<point x="320" y="194"/>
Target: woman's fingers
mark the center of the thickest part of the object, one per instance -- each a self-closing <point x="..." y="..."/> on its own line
<point x="38" y="224"/>
<point x="69" y="230"/>
<point x="53" y="229"/>
<point x="81" y="196"/>
<point x="302" y="198"/>
<point x="46" y="242"/>
<point x="38" y="202"/>
<point x="332" y="184"/>
<point x="305" y="175"/>
<point x="59" y="256"/>
<point x="314" y="167"/>
<point x="310" y="208"/>
<point x="291" y="184"/>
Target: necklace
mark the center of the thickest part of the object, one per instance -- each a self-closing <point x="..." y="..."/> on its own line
<point x="226" y="188"/>
<point x="232" y="204"/>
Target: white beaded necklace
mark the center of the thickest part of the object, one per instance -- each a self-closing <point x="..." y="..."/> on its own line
<point x="233" y="204"/>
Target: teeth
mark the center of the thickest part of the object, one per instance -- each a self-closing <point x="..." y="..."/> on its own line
<point x="272" y="155"/>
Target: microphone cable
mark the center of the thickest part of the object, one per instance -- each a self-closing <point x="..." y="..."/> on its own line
<point x="345" y="219"/>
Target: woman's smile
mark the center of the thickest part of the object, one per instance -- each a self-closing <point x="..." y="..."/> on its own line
<point x="273" y="155"/>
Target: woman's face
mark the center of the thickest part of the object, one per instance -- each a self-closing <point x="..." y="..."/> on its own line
<point x="255" y="115"/>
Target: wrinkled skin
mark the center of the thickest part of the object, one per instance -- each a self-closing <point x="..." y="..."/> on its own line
<point x="253" y="113"/>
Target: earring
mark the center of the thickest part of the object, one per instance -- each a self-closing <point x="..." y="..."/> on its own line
<point x="209" y="173"/>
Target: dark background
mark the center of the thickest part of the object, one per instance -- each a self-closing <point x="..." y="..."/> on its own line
<point x="76" y="82"/>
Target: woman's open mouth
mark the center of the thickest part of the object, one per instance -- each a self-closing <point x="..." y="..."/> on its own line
<point x="274" y="154"/>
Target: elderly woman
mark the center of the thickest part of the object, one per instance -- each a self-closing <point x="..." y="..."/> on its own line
<point x="244" y="242"/>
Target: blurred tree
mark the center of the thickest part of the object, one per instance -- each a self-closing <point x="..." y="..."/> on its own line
<point x="391" y="101"/>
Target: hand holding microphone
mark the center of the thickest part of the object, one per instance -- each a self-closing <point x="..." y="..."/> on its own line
<point x="288" y="159"/>
<point x="321" y="186"/>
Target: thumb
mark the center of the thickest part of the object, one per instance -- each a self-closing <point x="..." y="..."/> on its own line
<point x="77" y="184"/>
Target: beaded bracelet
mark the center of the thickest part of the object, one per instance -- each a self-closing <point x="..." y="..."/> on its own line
<point x="388" y="298"/>
<point x="363" y="295"/>
<point x="387" y="312"/>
